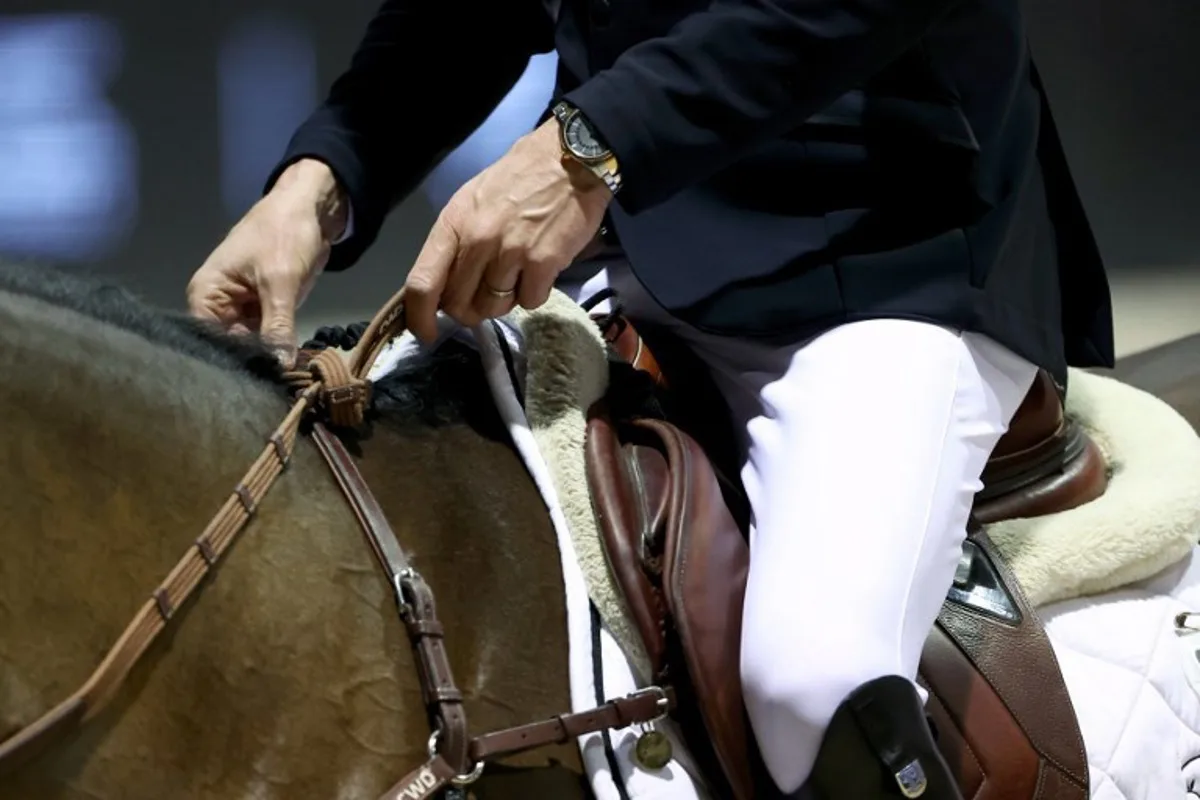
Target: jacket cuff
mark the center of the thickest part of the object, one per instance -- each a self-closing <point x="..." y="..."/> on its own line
<point x="617" y="117"/>
<point x="349" y="247"/>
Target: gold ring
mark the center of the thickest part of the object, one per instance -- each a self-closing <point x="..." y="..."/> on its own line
<point x="494" y="292"/>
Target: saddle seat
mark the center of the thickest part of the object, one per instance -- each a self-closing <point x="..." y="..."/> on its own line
<point x="680" y="560"/>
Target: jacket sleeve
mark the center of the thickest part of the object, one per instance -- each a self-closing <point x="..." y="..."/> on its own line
<point x="677" y="109"/>
<point x="424" y="76"/>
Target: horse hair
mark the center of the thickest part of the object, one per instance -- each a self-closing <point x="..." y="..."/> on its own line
<point x="115" y="305"/>
<point x="433" y="388"/>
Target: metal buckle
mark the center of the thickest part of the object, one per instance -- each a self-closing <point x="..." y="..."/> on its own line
<point x="399" y="581"/>
<point x="458" y="780"/>
<point x="663" y="703"/>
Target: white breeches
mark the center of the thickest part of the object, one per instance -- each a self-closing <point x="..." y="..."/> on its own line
<point x="863" y="450"/>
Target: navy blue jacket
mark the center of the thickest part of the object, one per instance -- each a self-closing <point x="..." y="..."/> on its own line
<point x="788" y="165"/>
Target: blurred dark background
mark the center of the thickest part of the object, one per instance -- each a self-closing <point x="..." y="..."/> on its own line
<point x="134" y="133"/>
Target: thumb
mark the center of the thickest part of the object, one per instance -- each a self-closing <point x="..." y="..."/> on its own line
<point x="278" y="328"/>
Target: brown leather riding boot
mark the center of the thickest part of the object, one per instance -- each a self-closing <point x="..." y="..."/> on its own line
<point x="879" y="746"/>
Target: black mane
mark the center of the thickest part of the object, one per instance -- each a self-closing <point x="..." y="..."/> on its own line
<point x="433" y="389"/>
<point x="121" y="308"/>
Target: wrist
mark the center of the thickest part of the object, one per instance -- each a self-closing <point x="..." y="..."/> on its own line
<point x="313" y="184"/>
<point x="582" y="144"/>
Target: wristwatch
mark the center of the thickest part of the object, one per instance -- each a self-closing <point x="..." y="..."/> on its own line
<point x="581" y="144"/>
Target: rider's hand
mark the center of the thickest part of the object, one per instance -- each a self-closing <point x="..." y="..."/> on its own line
<point x="505" y="236"/>
<point x="262" y="271"/>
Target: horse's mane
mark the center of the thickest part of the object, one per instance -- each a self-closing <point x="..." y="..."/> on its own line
<point x="115" y="305"/>
<point x="434" y="388"/>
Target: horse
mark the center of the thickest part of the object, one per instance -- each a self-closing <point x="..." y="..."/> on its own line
<point x="289" y="673"/>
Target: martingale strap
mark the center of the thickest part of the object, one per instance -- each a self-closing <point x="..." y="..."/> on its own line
<point x="414" y="599"/>
<point x="329" y="387"/>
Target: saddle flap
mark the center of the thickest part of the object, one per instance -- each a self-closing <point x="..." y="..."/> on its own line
<point x="680" y="562"/>
<point x="618" y="499"/>
<point x="704" y="567"/>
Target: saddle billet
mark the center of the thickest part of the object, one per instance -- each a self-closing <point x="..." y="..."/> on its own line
<point x="327" y="387"/>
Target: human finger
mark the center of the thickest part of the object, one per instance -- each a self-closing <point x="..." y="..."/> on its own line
<point x="427" y="280"/>
<point x="497" y="292"/>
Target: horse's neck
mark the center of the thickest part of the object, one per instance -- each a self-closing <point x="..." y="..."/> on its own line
<point x="289" y="671"/>
<point x="479" y="533"/>
<point x="114" y="454"/>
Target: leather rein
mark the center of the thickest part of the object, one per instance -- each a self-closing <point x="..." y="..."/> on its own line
<point x="328" y="387"/>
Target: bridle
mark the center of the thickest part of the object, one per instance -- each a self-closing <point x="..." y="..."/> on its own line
<point x="327" y="387"/>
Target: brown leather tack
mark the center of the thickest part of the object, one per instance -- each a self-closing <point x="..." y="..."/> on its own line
<point x="951" y="739"/>
<point x="639" y="707"/>
<point x="1001" y="686"/>
<point x="1007" y="725"/>
<point x="179" y="585"/>
<point x="621" y="518"/>
<point x="987" y="751"/>
<point x="1037" y="419"/>
<point x="338" y="389"/>
<point x="680" y="562"/>
<point x="1043" y="464"/>
<point x="1077" y="482"/>
<point x="1024" y="672"/>
<point x="629" y="346"/>
<point x="676" y="552"/>
<point x="418" y="610"/>
<point x="705" y="565"/>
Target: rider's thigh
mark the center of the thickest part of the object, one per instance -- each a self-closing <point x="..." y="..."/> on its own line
<point x="864" y="450"/>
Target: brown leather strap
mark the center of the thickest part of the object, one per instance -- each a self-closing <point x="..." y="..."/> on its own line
<point x="387" y="324"/>
<point x="341" y="391"/>
<point x="414" y="598"/>
<point x="645" y="706"/>
<point x="169" y="597"/>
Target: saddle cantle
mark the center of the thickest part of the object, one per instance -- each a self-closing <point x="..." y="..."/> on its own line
<point x="998" y="701"/>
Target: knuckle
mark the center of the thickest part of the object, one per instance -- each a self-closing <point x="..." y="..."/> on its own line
<point x="542" y="259"/>
<point x="419" y="285"/>
<point x="534" y="294"/>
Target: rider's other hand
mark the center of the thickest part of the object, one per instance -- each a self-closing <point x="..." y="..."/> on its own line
<point x="505" y="236"/>
<point x="257" y="277"/>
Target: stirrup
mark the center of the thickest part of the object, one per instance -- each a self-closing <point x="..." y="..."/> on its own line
<point x="879" y="746"/>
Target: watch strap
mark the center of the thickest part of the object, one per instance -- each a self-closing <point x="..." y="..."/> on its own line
<point x="607" y="170"/>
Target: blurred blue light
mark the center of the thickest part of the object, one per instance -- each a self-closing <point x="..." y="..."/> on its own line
<point x="67" y="156"/>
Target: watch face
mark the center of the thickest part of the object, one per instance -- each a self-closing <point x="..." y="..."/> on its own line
<point x="581" y="141"/>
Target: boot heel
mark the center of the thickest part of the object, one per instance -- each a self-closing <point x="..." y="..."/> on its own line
<point x="879" y="746"/>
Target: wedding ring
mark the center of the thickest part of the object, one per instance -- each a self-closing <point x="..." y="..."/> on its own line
<point x="502" y="294"/>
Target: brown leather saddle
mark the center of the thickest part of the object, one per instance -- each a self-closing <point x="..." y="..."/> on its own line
<point x="998" y="701"/>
